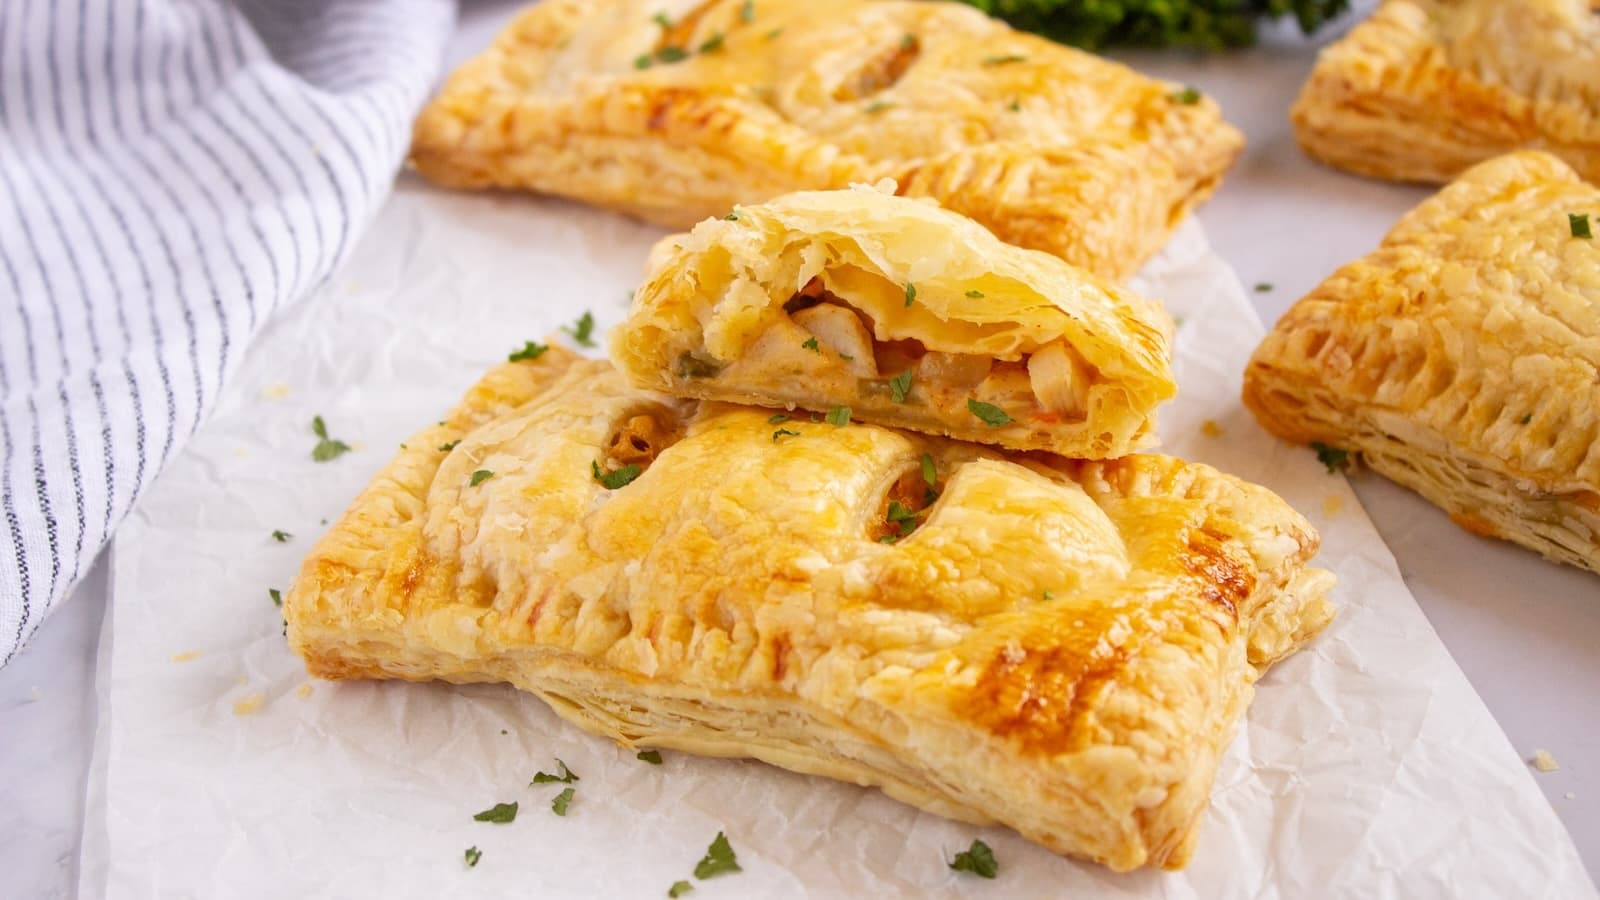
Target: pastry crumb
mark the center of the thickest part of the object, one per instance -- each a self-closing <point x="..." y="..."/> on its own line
<point x="241" y="452"/>
<point x="1211" y="429"/>
<point x="1544" y="762"/>
<point x="186" y="656"/>
<point x="1571" y="795"/>
<point x="248" y="704"/>
<point x="1332" y="505"/>
<point x="275" y="391"/>
<point x="243" y="681"/>
<point x="35" y="695"/>
<point x="303" y="691"/>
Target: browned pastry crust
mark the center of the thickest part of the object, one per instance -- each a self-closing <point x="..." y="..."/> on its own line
<point x="1061" y="647"/>
<point x="1049" y="147"/>
<point x="1462" y="358"/>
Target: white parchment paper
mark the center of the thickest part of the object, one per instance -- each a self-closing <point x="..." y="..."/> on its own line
<point x="1367" y="766"/>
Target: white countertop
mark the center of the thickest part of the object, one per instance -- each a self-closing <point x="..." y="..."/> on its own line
<point x="1523" y="630"/>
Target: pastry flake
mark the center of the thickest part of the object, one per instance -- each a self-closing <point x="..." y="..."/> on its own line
<point x="674" y="111"/>
<point x="1462" y="358"/>
<point x="1070" y="662"/>
<point x="908" y="314"/>
<point x="1424" y="89"/>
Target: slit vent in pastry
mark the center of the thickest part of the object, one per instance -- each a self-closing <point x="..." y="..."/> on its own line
<point x="908" y="314"/>
<point x="1069" y="662"/>
<point x="1424" y="89"/>
<point x="675" y="110"/>
<point x="1462" y="358"/>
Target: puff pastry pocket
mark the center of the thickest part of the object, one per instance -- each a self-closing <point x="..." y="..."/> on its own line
<point x="1462" y="357"/>
<point x="675" y="110"/>
<point x="1063" y="647"/>
<point x="1426" y="88"/>
<point x="906" y="313"/>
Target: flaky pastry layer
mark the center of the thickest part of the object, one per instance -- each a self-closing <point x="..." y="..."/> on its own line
<point x="906" y="314"/>
<point x="1062" y="647"/>
<point x="1424" y="89"/>
<point x="1462" y="357"/>
<point x="674" y="111"/>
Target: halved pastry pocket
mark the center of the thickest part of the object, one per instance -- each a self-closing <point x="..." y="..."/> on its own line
<point x="909" y="315"/>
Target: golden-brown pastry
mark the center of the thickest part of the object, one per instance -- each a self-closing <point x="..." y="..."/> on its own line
<point x="1462" y="357"/>
<point x="1063" y="647"/>
<point x="1426" y="88"/>
<point x="907" y="314"/>
<point x="675" y="110"/>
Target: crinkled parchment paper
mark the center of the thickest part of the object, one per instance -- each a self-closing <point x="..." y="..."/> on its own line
<point x="1367" y="766"/>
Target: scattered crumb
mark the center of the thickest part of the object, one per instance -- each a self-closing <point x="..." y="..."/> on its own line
<point x="243" y="681"/>
<point x="1210" y="428"/>
<point x="241" y="452"/>
<point x="1332" y="505"/>
<point x="1544" y="762"/>
<point x="276" y="391"/>
<point x="36" y="695"/>
<point x="186" y="656"/>
<point x="248" y="704"/>
<point x="1571" y="795"/>
<point x="303" y="691"/>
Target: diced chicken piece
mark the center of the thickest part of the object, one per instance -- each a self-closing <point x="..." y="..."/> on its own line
<point x="1008" y="385"/>
<point x="1060" y="380"/>
<point x="841" y="332"/>
<point x="964" y="371"/>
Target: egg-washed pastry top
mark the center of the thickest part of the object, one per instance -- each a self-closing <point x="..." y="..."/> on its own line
<point x="894" y="311"/>
<point x="1062" y="647"/>
<point x="1462" y="357"/>
<point x="1426" y="88"/>
<point x="675" y="110"/>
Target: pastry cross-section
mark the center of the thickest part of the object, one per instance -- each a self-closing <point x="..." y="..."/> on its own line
<point x="907" y="314"/>
<point x="1462" y="357"/>
<point x="676" y="110"/>
<point x="1424" y="89"/>
<point x="1062" y="647"/>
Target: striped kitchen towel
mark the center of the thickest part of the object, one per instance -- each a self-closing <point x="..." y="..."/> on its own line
<point x="172" y="172"/>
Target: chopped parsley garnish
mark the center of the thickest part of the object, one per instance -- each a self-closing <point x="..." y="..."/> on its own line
<point x="326" y="448"/>
<point x="978" y="859"/>
<point x="661" y="19"/>
<point x="992" y="416"/>
<point x="719" y="859"/>
<point x="480" y="476"/>
<point x="773" y="34"/>
<point x="530" y="350"/>
<point x="780" y="417"/>
<point x="276" y="595"/>
<point x="653" y="757"/>
<point x="889" y="539"/>
<point x="473" y="854"/>
<point x="679" y="888"/>
<point x="976" y="295"/>
<point x="500" y="814"/>
<point x="811" y="344"/>
<point x="1579" y="222"/>
<point x="877" y="106"/>
<point x="642" y="61"/>
<point x="583" y="330"/>
<point x="1048" y="596"/>
<point x="1262" y="287"/>
<point x="1003" y="60"/>
<point x="712" y="44"/>
<point x="747" y="12"/>
<point x="900" y="386"/>
<point x="732" y="216"/>
<point x="1015" y="105"/>
<point x="563" y="775"/>
<point x="783" y="432"/>
<point x="903" y="518"/>
<point x="672" y="54"/>
<point x="281" y="537"/>
<point x="929" y="473"/>
<point x="617" y="478"/>
<point x="839" y="416"/>
<point x="908" y="41"/>
<point x="691" y="366"/>
<point x="447" y="446"/>
<point x="1527" y="418"/>
<point x="1332" y="457"/>
<point x="911" y="293"/>
<point x="1186" y="97"/>
<point x="562" y="801"/>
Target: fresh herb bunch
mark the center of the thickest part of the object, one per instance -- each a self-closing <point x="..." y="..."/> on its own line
<point x="1205" y="24"/>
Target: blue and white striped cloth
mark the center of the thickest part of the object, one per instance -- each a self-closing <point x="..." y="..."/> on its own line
<point x="172" y="172"/>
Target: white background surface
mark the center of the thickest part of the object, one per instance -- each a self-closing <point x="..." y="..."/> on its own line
<point x="1523" y="630"/>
